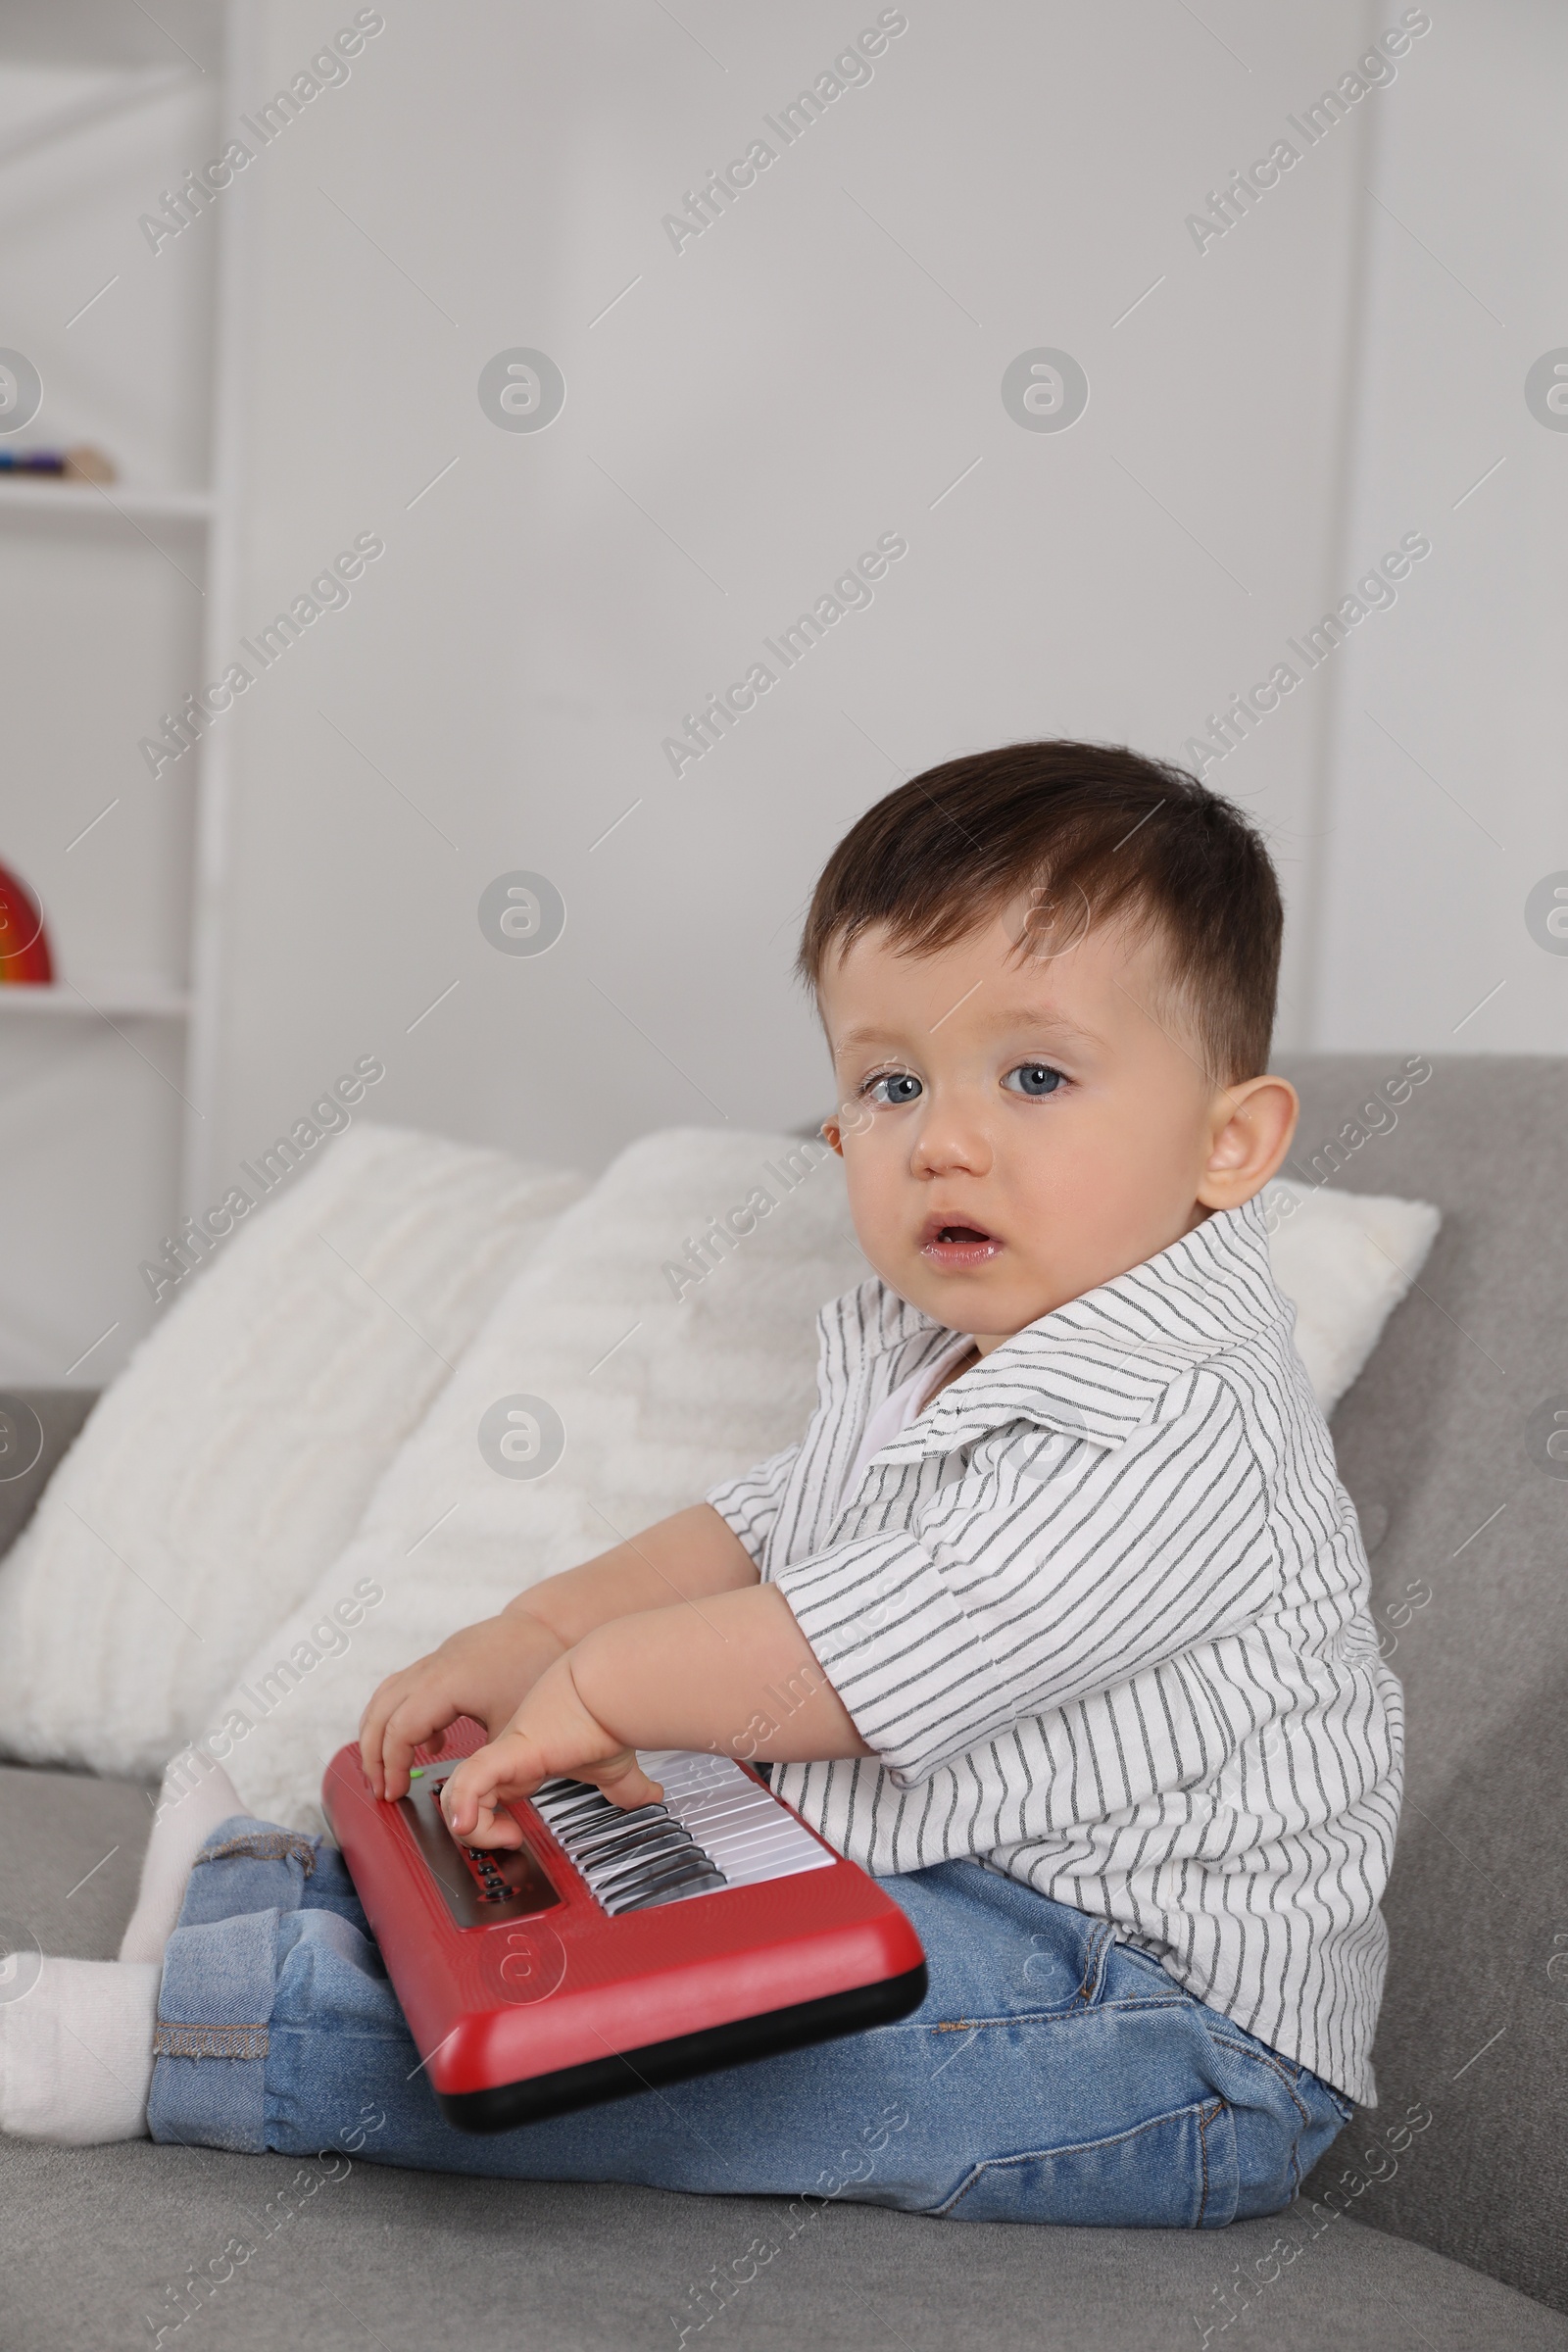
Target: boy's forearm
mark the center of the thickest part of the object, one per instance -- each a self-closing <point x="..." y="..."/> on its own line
<point x="487" y="1669"/>
<point x="689" y="1556"/>
<point x="732" y="1673"/>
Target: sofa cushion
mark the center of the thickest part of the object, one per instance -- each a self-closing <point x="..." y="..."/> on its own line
<point x="101" y="2245"/>
<point x="1442" y="1443"/>
<point x="70" y="1850"/>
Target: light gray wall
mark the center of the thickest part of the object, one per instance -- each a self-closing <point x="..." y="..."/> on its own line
<point x="1449" y="796"/>
<point x="816" y="370"/>
<point x="743" y="418"/>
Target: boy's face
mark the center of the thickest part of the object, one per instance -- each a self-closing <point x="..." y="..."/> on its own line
<point x="1017" y="1128"/>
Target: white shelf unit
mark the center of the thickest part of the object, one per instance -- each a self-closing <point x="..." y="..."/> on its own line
<point x="242" y="45"/>
<point x="176" y="1014"/>
<point x="62" y="1001"/>
<point x="103" y="503"/>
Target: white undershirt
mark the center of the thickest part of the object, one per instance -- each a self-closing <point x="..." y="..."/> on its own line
<point x="897" y="1410"/>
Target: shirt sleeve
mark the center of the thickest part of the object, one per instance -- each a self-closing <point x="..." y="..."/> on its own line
<point x="1017" y="1590"/>
<point x="751" y="1503"/>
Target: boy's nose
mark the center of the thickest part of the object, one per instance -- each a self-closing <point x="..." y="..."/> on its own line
<point x="946" y="1142"/>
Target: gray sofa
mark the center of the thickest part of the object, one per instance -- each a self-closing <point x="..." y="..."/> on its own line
<point x="1453" y="2234"/>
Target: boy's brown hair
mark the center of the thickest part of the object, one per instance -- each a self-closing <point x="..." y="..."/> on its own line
<point x="1088" y="831"/>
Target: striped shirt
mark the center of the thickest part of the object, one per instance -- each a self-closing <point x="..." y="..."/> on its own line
<point x="1101" y="1614"/>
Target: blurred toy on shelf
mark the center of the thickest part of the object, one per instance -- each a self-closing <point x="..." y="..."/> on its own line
<point x="81" y="463"/>
<point x="24" y="956"/>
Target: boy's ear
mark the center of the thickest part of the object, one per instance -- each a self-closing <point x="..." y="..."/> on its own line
<point x="1252" y="1127"/>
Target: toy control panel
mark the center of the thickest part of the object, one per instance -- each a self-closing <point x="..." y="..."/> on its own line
<point x="481" y="1885"/>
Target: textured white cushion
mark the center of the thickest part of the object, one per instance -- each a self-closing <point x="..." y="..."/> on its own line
<point x="226" y="1468"/>
<point x="1344" y="1260"/>
<point x="657" y="1397"/>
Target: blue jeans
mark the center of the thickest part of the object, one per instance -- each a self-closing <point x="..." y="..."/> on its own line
<point x="1051" y="2075"/>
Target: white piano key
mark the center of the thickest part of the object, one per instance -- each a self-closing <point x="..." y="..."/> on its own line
<point x="733" y="1822"/>
<point x="738" y="1822"/>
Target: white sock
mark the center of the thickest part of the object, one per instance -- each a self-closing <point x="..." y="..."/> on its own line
<point x="196" y="1795"/>
<point x="76" y="2051"/>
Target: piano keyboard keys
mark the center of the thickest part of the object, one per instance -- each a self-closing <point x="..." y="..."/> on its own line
<point x="629" y="1861"/>
<point x="716" y="1827"/>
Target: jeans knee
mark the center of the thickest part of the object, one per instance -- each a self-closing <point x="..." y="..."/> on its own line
<point x="328" y="1931"/>
<point x="247" y="1866"/>
<point x="326" y="1969"/>
<point x="1287" y="2122"/>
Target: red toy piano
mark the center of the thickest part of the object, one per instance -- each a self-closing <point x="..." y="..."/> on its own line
<point x="613" y="1949"/>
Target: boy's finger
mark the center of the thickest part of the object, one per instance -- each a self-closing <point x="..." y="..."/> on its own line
<point x="372" y="1724"/>
<point x="514" y="1765"/>
<point x="474" y="1790"/>
<point x="495" y="1826"/>
<point x="414" y="1720"/>
<point x="623" y="1781"/>
<point x="381" y="1698"/>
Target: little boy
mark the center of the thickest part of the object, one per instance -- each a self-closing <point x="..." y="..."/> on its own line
<point x="1069" y="1606"/>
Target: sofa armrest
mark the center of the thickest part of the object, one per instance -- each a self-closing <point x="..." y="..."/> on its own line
<point x="59" y="1412"/>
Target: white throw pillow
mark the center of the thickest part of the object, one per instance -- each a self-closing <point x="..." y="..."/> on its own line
<point x="1344" y="1260"/>
<point x="658" y="1397"/>
<point x="226" y="1468"/>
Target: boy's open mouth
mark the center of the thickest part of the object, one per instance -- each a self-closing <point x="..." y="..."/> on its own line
<point x="955" y="1244"/>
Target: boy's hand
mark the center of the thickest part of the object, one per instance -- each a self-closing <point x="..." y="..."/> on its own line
<point x="551" y="1733"/>
<point x="731" y="1674"/>
<point x="483" y="1671"/>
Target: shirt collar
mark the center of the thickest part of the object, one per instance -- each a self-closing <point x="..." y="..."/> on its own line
<point x="1093" y="1368"/>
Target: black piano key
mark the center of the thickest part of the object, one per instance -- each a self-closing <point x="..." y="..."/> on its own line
<point x="685" y="1876"/>
<point x="672" y="1854"/>
<point x="706" y="1881"/>
<point x="608" y="1823"/>
<point x="613" y="1850"/>
<point x="613" y="1841"/>
<point x="606" y="1877"/>
<point x="646" y="1817"/>
<point x="580" y="1801"/>
<point x="601" y="1870"/>
<point x="587" y="1808"/>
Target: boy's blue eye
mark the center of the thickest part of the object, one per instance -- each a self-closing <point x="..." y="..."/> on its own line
<point x="901" y="1086"/>
<point x="1035" y="1079"/>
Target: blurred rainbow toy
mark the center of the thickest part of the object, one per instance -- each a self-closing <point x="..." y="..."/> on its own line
<point x="23" y="943"/>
